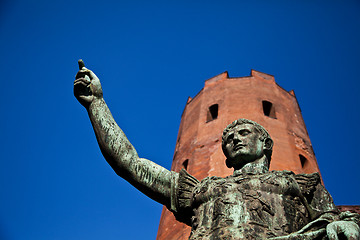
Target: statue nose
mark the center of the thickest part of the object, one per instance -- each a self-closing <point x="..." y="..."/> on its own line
<point x="236" y="138"/>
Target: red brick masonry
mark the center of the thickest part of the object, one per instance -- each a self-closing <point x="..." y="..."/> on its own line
<point x="351" y="208"/>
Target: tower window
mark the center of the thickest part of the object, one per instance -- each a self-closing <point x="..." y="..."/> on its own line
<point x="269" y="109"/>
<point x="185" y="164"/>
<point x="303" y="160"/>
<point x="212" y="112"/>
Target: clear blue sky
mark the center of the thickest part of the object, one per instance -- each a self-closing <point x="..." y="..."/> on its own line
<point x="150" y="56"/>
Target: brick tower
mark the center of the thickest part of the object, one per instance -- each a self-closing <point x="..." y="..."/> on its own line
<point x="221" y="101"/>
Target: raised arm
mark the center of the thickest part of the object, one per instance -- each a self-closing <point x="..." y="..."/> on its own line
<point x="148" y="177"/>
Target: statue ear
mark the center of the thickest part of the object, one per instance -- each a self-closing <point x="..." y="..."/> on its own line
<point x="268" y="143"/>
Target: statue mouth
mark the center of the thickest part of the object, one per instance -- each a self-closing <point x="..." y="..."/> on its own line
<point x="238" y="146"/>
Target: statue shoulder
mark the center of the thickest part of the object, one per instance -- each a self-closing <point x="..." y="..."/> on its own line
<point x="308" y="176"/>
<point x="182" y="188"/>
<point x="283" y="173"/>
<point x="315" y="193"/>
<point x="187" y="180"/>
<point x="308" y="182"/>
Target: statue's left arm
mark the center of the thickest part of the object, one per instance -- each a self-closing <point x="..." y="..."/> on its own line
<point x="326" y="222"/>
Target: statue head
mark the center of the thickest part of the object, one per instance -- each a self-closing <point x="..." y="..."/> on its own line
<point x="245" y="141"/>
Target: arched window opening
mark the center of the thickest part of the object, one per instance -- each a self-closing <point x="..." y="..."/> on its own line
<point x="269" y="109"/>
<point x="212" y="112"/>
<point x="185" y="164"/>
<point x="303" y="160"/>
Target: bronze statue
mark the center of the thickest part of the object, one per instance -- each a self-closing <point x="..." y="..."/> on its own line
<point x="253" y="203"/>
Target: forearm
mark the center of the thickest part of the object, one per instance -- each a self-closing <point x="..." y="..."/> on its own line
<point x="113" y="143"/>
<point x="148" y="177"/>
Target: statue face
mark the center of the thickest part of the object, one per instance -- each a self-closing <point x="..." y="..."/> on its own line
<point x="243" y="145"/>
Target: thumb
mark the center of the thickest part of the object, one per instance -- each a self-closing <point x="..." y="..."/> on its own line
<point x="81" y="64"/>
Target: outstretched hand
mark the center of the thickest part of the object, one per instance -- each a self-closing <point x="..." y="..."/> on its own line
<point x="87" y="85"/>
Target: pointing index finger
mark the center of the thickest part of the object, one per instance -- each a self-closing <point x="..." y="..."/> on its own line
<point x="81" y="64"/>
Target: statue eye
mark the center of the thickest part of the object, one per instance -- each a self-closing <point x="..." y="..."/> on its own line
<point x="230" y="137"/>
<point x="244" y="132"/>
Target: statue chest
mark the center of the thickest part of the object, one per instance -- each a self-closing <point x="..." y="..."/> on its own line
<point x="278" y="183"/>
<point x="248" y="204"/>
